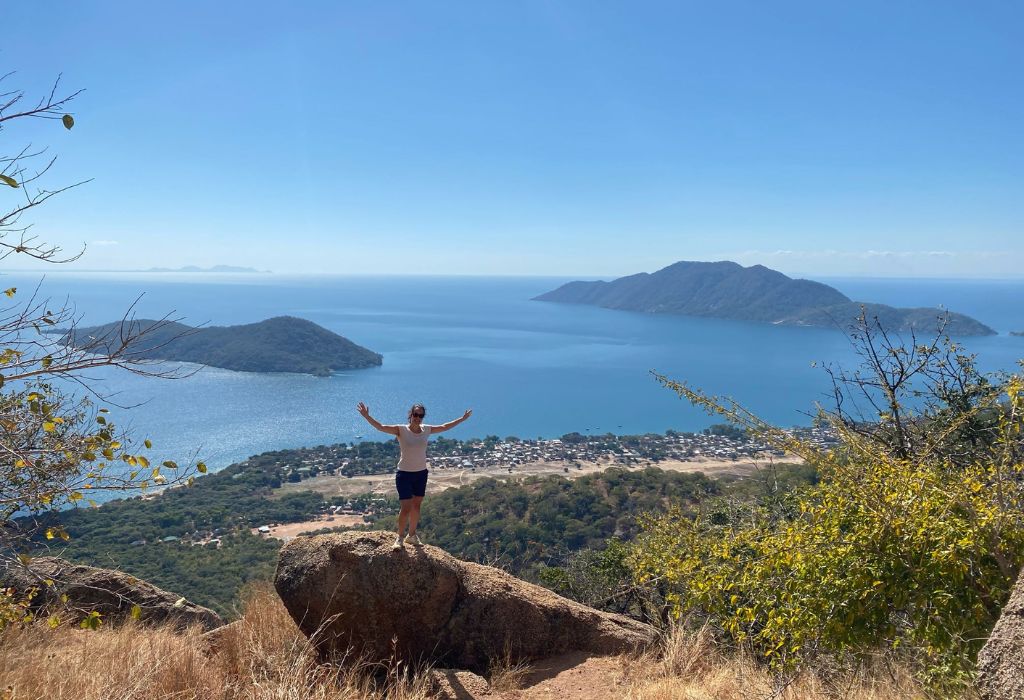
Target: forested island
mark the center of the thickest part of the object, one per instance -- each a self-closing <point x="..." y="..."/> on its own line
<point x="280" y="344"/>
<point x="730" y="291"/>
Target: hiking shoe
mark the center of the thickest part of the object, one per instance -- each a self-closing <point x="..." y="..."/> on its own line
<point x="414" y="540"/>
<point x="398" y="544"/>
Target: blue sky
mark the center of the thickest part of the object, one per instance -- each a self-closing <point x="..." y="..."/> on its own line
<point x="575" y="138"/>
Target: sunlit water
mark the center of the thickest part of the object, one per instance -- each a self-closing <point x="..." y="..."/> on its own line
<point x="525" y="368"/>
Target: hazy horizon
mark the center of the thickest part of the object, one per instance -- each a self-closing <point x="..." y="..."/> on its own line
<point x="254" y="273"/>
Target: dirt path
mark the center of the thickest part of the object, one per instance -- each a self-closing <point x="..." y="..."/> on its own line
<point x="573" y="676"/>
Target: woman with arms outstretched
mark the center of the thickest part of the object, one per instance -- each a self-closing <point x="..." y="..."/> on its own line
<point x="411" y="475"/>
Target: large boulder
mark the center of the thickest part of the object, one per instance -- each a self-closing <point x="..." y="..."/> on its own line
<point x="351" y="593"/>
<point x="1001" y="660"/>
<point x="113" y="594"/>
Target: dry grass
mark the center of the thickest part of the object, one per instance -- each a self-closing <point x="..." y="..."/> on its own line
<point x="507" y="674"/>
<point x="690" y="667"/>
<point x="262" y="657"/>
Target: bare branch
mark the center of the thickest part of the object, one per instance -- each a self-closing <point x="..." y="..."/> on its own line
<point x="47" y="107"/>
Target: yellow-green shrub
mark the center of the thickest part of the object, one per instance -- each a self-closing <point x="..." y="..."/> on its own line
<point x="915" y="554"/>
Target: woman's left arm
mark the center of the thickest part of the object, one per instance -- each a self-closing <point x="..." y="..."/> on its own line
<point x="450" y="424"/>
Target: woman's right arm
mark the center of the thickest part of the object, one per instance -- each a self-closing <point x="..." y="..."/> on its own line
<point x="365" y="413"/>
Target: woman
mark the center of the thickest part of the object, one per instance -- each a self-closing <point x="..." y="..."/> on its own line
<point x="411" y="476"/>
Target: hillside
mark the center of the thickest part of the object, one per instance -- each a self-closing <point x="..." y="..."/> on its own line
<point x="728" y="290"/>
<point x="281" y="344"/>
<point x="525" y="524"/>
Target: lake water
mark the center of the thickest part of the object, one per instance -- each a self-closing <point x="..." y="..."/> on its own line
<point x="526" y="368"/>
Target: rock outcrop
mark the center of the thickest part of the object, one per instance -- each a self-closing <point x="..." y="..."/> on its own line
<point x="1001" y="660"/>
<point x="351" y="593"/>
<point x="113" y="594"/>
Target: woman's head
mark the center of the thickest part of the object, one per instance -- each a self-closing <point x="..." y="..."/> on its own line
<point x="417" y="411"/>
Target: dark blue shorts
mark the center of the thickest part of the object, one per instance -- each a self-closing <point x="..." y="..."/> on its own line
<point x="411" y="484"/>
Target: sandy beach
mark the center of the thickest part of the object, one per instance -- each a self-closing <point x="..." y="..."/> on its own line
<point x="442" y="479"/>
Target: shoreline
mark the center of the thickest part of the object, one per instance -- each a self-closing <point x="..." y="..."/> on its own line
<point x="444" y="478"/>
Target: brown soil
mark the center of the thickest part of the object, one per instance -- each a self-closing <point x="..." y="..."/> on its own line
<point x="573" y="676"/>
<point x="287" y="531"/>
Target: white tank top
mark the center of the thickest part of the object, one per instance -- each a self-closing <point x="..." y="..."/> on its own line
<point x="414" y="449"/>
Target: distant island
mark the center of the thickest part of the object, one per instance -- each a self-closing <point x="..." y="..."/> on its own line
<point x="729" y="290"/>
<point x="215" y="268"/>
<point x="1020" y="333"/>
<point x="281" y="344"/>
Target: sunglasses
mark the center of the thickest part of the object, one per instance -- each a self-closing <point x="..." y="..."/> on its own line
<point x="419" y="415"/>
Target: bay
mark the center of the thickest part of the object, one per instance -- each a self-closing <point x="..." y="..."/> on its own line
<point x="526" y="368"/>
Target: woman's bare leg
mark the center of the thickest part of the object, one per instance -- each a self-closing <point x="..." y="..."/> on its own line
<point x="404" y="516"/>
<point x="414" y="514"/>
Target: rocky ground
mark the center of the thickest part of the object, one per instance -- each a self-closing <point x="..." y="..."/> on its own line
<point x="572" y="676"/>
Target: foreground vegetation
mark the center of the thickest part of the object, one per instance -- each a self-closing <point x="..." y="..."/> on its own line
<point x="265" y="656"/>
<point x="909" y="544"/>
